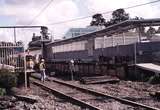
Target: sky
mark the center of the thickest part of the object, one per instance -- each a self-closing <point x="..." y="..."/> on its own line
<point x="24" y="12"/>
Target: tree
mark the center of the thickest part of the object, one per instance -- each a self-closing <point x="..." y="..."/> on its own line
<point x="19" y="43"/>
<point x="108" y="23"/>
<point x="141" y="29"/>
<point x="119" y="15"/>
<point x="97" y="20"/>
<point x="150" y="32"/>
<point x="158" y="30"/>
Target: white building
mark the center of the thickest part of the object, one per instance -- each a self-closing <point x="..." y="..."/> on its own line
<point x="73" y="32"/>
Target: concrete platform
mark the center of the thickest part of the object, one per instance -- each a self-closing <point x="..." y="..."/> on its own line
<point x="150" y="67"/>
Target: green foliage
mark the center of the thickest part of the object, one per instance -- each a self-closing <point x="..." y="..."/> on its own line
<point x="154" y="79"/>
<point x="118" y="16"/>
<point x="151" y="31"/>
<point x="2" y="91"/>
<point x="7" y="79"/>
<point x="97" y="20"/>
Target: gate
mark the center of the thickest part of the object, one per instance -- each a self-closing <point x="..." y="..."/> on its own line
<point x="11" y="56"/>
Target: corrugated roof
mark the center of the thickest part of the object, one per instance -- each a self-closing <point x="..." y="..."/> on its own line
<point x="125" y="25"/>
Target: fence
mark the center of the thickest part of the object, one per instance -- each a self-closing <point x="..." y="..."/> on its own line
<point x="11" y="55"/>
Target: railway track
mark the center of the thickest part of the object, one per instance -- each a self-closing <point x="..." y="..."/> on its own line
<point x="83" y="99"/>
<point x="63" y="95"/>
<point x="101" y="100"/>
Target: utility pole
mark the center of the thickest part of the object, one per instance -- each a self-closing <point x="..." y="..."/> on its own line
<point x="135" y="53"/>
<point x="42" y="45"/>
<point x="14" y="29"/>
<point x="44" y="39"/>
<point x="25" y="71"/>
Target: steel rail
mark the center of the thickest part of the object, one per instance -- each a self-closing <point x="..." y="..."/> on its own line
<point x="67" y="97"/>
<point x="84" y="89"/>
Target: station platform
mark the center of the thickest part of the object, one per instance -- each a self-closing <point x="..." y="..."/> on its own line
<point x="30" y="71"/>
<point x="150" y="67"/>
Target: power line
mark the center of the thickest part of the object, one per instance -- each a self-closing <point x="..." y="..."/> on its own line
<point x="76" y="19"/>
<point x="43" y="9"/>
<point x="142" y="4"/>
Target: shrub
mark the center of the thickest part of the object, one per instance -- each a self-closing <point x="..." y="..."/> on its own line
<point x="7" y="79"/>
<point x="154" y="79"/>
<point x="2" y="91"/>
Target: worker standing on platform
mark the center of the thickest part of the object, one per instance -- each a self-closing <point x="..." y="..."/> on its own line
<point x="31" y="64"/>
<point x="42" y="70"/>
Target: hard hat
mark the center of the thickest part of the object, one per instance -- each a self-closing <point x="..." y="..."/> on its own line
<point x="42" y="60"/>
<point x="72" y="61"/>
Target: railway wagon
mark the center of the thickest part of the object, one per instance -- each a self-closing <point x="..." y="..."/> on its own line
<point x="107" y="51"/>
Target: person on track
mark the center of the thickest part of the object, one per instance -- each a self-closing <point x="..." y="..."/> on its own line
<point x="72" y="68"/>
<point x="42" y="70"/>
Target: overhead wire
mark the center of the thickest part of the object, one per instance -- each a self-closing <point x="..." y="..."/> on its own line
<point x="80" y="18"/>
<point x="42" y="10"/>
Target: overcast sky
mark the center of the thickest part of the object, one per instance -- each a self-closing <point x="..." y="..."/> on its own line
<point x="22" y="12"/>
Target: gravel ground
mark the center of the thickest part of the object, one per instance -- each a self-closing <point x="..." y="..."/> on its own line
<point x="103" y="103"/>
<point x="135" y="91"/>
<point x="46" y="101"/>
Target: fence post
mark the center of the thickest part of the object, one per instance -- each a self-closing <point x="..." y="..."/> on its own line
<point x="25" y="72"/>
